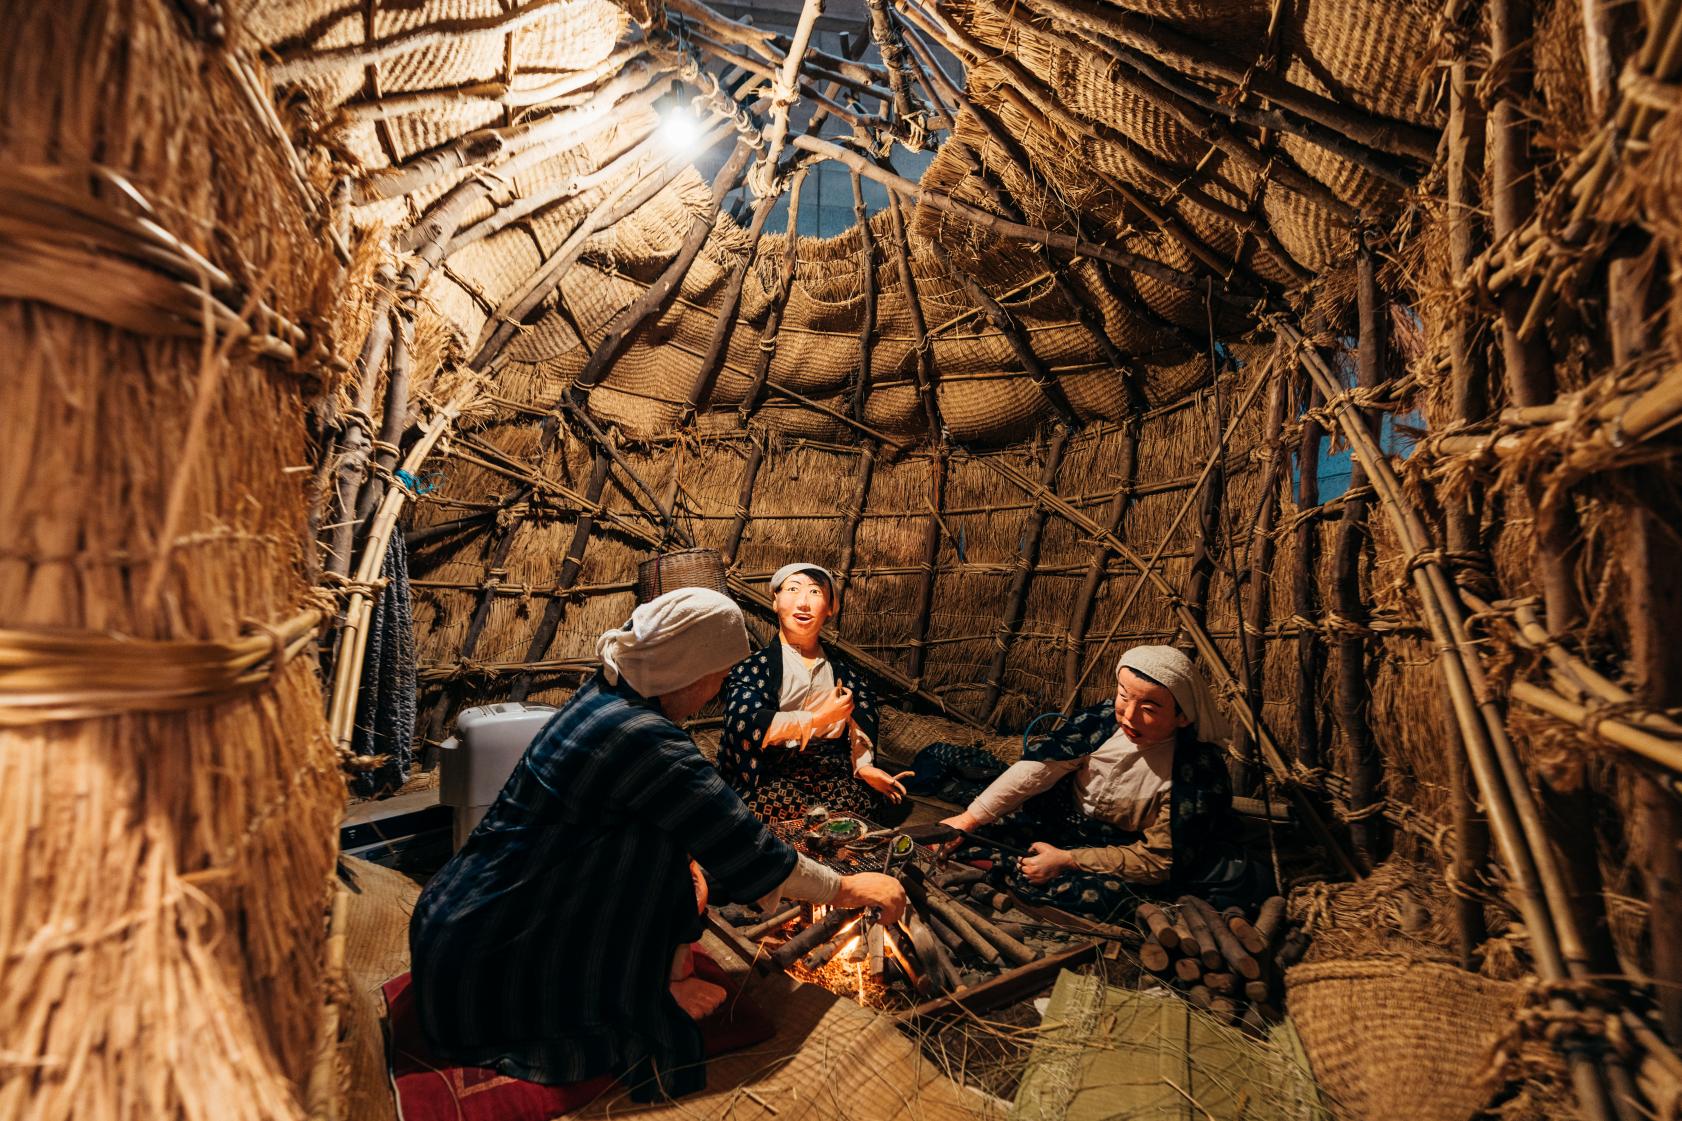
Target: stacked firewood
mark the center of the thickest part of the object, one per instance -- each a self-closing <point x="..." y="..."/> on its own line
<point x="954" y="942"/>
<point x="1221" y="960"/>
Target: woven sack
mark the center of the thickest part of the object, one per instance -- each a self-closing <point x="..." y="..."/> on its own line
<point x="1391" y="1038"/>
<point x="687" y="568"/>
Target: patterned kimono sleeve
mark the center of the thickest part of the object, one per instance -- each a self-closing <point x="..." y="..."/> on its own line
<point x="674" y="788"/>
<point x="750" y="705"/>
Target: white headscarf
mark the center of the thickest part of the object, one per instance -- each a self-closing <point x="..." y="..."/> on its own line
<point x="674" y="640"/>
<point x="1174" y="670"/>
<point x="788" y="570"/>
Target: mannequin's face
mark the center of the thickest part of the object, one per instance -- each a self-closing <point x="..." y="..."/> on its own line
<point x="1145" y="710"/>
<point x="692" y="698"/>
<point x="803" y="607"/>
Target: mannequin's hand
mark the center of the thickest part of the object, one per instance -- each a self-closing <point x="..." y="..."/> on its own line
<point x="883" y="783"/>
<point x="833" y="709"/>
<point x="1047" y="863"/>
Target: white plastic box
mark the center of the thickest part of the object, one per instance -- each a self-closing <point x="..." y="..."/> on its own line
<point x="474" y="764"/>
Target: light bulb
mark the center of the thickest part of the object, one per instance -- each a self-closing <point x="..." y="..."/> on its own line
<point x="680" y="131"/>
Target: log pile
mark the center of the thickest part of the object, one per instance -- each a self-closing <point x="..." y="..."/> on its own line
<point x="954" y="948"/>
<point x="1224" y="962"/>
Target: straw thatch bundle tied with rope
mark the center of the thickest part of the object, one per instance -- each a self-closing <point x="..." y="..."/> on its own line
<point x="1335" y="344"/>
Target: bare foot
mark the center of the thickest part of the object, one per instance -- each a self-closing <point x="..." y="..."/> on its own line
<point x="696" y="997"/>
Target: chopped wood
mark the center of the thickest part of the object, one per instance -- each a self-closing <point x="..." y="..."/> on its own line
<point x="1257" y="990"/>
<point x="1227" y="946"/>
<point x="775" y="922"/>
<point x="1247" y="935"/>
<point x="1188" y="970"/>
<point x="1161" y="930"/>
<point x="1153" y="956"/>
<point x="1226" y="983"/>
<point x="941" y="907"/>
<point x="991" y="897"/>
<point x="1270" y="921"/>
<point x="1197" y="925"/>
<point x="1012" y="984"/>
<point x="812" y="937"/>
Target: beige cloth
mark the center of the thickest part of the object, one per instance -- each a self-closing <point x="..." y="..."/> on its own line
<point x="674" y="640"/>
<point x="1119" y="783"/>
<point x="804" y="686"/>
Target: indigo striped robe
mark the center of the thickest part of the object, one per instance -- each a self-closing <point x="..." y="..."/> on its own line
<point x="544" y="947"/>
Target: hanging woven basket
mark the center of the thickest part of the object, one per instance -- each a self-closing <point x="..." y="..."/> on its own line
<point x="687" y="568"/>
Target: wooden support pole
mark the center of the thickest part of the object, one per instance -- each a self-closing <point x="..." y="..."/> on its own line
<point x="1016" y="596"/>
<point x="850" y="529"/>
<point x="1469" y="390"/>
<point x="393" y="418"/>
<point x="1530" y="381"/>
<point x="888" y="41"/>
<point x="1097" y="565"/>
<point x="923" y="360"/>
<point x="1350" y="649"/>
<point x="1653" y="620"/>
<point x="555" y="609"/>
<point x="1201" y="572"/>
<point x="351" y="450"/>
<point x="1259" y="584"/>
<point x="779" y="301"/>
<point x="622" y="198"/>
<point x="1303" y="597"/>
<point x="724" y="321"/>
<point x="867" y="322"/>
<point x="1000" y="320"/>
<point x="784" y="95"/>
<point x="1183" y="52"/>
<point x="931" y="558"/>
<point x="899" y="186"/>
<point x="744" y="502"/>
<point x="657" y="296"/>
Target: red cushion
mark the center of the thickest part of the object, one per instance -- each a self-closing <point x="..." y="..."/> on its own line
<point x="428" y="1089"/>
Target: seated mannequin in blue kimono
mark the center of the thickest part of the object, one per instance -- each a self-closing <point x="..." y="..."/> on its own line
<point x="1127" y="798"/>
<point x="800" y="720"/>
<point x="553" y="946"/>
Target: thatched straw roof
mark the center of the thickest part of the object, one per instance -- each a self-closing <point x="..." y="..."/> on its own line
<point x="282" y="281"/>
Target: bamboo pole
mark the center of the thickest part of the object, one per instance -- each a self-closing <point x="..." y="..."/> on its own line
<point x="353" y="635"/>
<point x="931" y="559"/>
<point x="351" y="449"/>
<point x="1097" y="565"/>
<point x="393" y="418"/>
<point x="1016" y="596"/>
<point x="571" y="565"/>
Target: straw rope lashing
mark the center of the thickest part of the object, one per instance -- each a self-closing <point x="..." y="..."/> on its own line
<point x="1514" y="818"/>
<point x="61" y="674"/>
<point x="61" y="244"/>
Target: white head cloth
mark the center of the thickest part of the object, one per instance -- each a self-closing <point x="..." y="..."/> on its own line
<point x="1174" y="670"/>
<point x="674" y="640"/>
<point x="788" y="570"/>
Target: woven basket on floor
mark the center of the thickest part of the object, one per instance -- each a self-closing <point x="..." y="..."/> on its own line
<point x="687" y="568"/>
<point x="1393" y="1038"/>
